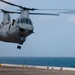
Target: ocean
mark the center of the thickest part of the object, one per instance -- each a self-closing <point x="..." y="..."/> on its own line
<point x="40" y="61"/>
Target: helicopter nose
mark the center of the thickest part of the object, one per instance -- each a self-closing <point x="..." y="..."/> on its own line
<point x="30" y="31"/>
<point x="25" y="30"/>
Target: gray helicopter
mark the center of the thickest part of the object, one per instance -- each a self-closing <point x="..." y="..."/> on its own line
<point x="19" y="29"/>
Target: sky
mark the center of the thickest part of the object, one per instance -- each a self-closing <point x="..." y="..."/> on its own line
<point x="54" y="35"/>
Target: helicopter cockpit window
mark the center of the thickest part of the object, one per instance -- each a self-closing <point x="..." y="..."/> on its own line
<point x="30" y="21"/>
<point x="18" y="21"/>
<point x="24" y="20"/>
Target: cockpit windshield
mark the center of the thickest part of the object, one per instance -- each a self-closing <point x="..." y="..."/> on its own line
<point x="24" y="20"/>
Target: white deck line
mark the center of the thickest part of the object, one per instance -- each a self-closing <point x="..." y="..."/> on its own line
<point x="40" y="67"/>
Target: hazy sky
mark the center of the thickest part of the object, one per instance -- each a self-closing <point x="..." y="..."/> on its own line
<point x="54" y="36"/>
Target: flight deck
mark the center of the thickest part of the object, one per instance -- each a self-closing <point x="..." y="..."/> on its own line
<point x="12" y="70"/>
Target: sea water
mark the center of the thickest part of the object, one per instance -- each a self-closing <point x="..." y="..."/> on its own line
<point x="40" y="61"/>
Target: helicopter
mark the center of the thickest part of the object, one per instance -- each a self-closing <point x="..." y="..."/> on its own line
<point x="19" y="29"/>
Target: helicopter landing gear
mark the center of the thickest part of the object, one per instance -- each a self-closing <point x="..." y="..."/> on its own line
<point x="21" y="40"/>
<point x="18" y="47"/>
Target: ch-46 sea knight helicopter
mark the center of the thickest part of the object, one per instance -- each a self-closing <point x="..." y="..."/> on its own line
<point x="18" y="30"/>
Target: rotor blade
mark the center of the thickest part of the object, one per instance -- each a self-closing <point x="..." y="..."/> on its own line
<point x="5" y="11"/>
<point x="25" y="8"/>
<point x="58" y="9"/>
<point x="68" y="12"/>
<point x="12" y="12"/>
<point x="44" y="14"/>
<point x="10" y="3"/>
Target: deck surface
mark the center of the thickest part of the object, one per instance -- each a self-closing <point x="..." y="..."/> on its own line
<point x="32" y="71"/>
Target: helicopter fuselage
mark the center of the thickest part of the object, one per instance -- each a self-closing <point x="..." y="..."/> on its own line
<point x="17" y="32"/>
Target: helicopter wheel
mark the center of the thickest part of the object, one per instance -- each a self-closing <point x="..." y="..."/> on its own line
<point x="18" y="47"/>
